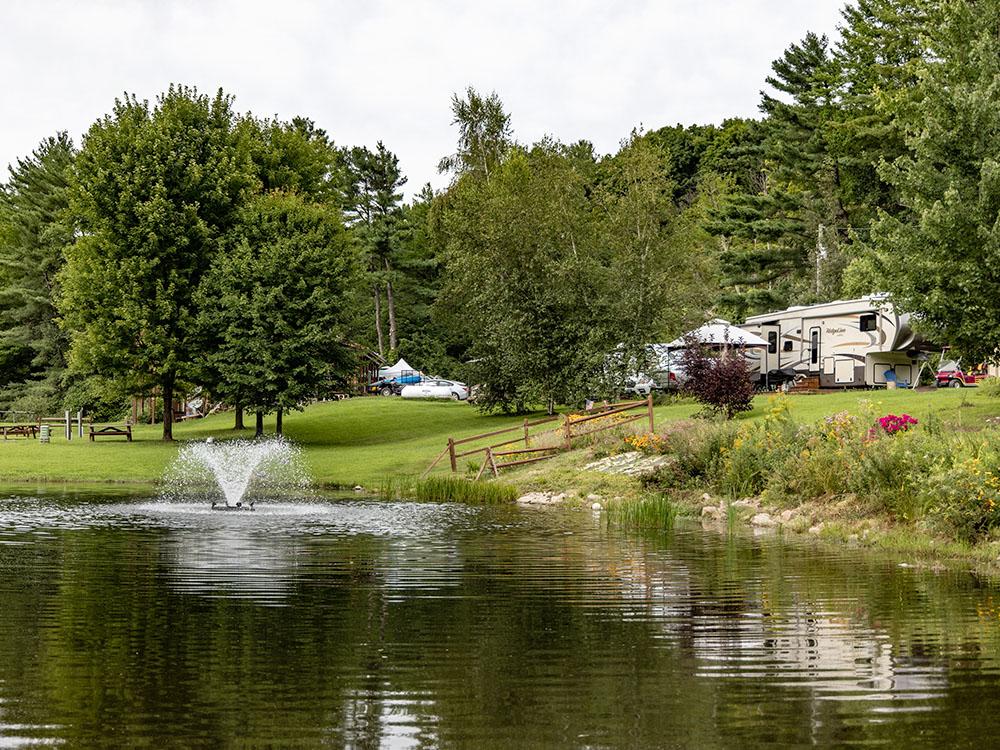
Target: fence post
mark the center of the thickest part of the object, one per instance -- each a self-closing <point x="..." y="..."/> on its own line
<point x="451" y="455"/>
<point x="79" y="423"/>
<point x="526" y="444"/>
<point x="568" y="433"/>
<point x="69" y="427"/>
<point x="649" y="408"/>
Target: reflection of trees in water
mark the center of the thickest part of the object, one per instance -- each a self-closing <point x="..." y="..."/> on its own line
<point x="495" y="639"/>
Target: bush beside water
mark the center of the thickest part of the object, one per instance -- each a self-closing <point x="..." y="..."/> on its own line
<point x="943" y="480"/>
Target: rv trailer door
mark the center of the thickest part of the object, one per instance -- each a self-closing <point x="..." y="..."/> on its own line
<point x="771" y="357"/>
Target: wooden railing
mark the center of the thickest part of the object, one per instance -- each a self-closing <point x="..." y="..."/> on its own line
<point x="566" y="433"/>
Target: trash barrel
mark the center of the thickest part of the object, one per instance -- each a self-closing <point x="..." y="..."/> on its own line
<point x="44" y="433"/>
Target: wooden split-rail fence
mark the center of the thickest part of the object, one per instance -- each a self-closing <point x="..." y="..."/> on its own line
<point x="558" y="438"/>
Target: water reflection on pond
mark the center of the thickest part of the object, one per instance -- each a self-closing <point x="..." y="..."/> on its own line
<point x="410" y="625"/>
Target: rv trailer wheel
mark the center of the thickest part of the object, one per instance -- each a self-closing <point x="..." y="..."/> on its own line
<point x="955" y="384"/>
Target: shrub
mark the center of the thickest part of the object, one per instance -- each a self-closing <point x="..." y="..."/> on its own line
<point x="990" y="387"/>
<point x="722" y="383"/>
<point x="963" y="496"/>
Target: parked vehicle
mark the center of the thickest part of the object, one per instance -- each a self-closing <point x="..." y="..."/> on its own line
<point x="846" y="343"/>
<point x="436" y="388"/>
<point x="640" y="385"/>
<point x="669" y="373"/>
<point x="951" y="375"/>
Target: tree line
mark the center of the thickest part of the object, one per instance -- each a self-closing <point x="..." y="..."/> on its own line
<point x="184" y="243"/>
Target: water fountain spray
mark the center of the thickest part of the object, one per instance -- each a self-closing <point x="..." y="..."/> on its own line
<point x="232" y="468"/>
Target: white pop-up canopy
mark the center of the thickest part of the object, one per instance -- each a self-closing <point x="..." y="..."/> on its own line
<point x="720" y="332"/>
<point x="397" y="369"/>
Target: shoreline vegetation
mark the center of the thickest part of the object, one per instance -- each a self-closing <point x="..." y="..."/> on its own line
<point x="830" y="465"/>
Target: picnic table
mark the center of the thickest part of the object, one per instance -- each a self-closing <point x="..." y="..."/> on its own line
<point x="111" y="430"/>
<point x="19" y="430"/>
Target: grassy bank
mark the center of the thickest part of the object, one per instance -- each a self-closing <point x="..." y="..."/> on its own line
<point x="929" y="485"/>
<point x="363" y="441"/>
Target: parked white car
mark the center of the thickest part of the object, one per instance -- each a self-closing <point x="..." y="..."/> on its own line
<point x="436" y="388"/>
<point x="640" y="385"/>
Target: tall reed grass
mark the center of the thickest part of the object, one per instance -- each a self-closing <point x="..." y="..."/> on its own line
<point x="649" y="512"/>
<point x="447" y="490"/>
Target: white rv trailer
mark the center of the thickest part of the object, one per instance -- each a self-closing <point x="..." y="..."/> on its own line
<point x="843" y="344"/>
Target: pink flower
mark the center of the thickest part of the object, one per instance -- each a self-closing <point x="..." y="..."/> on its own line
<point x="891" y="423"/>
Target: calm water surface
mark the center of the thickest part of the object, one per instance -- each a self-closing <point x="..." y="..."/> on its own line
<point x="131" y="622"/>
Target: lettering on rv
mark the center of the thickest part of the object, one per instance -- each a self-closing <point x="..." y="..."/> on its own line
<point x="835" y="331"/>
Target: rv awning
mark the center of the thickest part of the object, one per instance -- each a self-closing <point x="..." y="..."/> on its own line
<point x="720" y="332"/>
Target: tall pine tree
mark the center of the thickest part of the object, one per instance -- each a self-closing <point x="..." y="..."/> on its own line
<point x="939" y="254"/>
<point x="35" y="229"/>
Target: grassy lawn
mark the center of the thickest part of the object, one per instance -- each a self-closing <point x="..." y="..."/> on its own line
<point x="361" y="441"/>
<point x="963" y="407"/>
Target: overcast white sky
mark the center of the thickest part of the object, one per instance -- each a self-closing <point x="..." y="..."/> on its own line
<point x="386" y="70"/>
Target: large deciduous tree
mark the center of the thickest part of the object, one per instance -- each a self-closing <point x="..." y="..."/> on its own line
<point x="157" y="188"/>
<point x="272" y="307"/>
<point x="555" y="262"/>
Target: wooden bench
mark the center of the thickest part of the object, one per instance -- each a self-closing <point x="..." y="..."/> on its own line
<point x="19" y="430"/>
<point x="111" y="430"/>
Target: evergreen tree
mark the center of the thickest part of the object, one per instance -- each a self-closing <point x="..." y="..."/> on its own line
<point x="780" y="234"/>
<point x="374" y="198"/>
<point x="878" y="56"/>
<point x="35" y="229"/>
<point x="424" y="337"/>
<point x="939" y="255"/>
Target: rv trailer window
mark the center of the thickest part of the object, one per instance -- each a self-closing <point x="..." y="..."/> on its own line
<point x="868" y="322"/>
<point x="772" y="342"/>
<point x="814" y="346"/>
<point x="787" y="346"/>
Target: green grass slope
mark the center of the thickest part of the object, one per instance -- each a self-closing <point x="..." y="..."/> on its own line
<point x="363" y="440"/>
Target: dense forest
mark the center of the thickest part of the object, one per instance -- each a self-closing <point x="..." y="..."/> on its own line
<point x="183" y="243"/>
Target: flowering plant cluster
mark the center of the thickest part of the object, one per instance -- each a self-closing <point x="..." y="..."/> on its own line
<point x="648" y="443"/>
<point x="839" y="426"/>
<point x="891" y="424"/>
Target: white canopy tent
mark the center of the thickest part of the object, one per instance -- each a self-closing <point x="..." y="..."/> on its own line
<point x="719" y="333"/>
<point x="401" y="367"/>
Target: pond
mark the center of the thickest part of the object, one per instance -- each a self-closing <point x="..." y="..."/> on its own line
<point x="129" y="621"/>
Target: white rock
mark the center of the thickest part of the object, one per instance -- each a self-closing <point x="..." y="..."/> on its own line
<point x="711" y="512"/>
<point x="706" y="497"/>
<point x="593" y="498"/>
<point x="816" y="529"/>
<point x="534" y="498"/>
<point x="763" y="520"/>
<point x="787" y="515"/>
<point x="358" y="488"/>
<point x="595" y="506"/>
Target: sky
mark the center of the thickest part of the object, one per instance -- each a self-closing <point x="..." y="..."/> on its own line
<point x="386" y="70"/>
